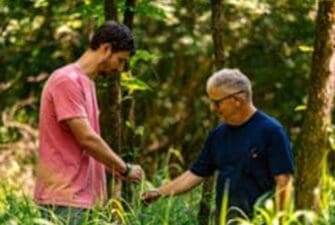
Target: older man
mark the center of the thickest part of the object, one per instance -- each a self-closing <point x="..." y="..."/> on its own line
<point x="250" y="150"/>
<point x="72" y="155"/>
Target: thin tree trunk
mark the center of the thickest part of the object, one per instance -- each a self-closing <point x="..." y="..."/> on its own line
<point x="205" y="212"/>
<point x="129" y="13"/>
<point x="129" y="109"/>
<point x="128" y="132"/>
<point x="109" y="94"/>
<point x="110" y="106"/>
<point x="110" y="10"/>
<point x="312" y="145"/>
<point x="217" y="33"/>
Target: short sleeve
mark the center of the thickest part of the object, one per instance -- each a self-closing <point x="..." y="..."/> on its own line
<point x="280" y="154"/>
<point x="204" y="166"/>
<point x="69" y="100"/>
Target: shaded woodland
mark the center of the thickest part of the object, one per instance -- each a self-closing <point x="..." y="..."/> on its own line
<point x="156" y="113"/>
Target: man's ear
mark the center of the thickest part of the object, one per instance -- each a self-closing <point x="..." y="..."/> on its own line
<point x="105" y="49"/>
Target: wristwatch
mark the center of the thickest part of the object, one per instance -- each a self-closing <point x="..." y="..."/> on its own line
<point x="127" y="170"/>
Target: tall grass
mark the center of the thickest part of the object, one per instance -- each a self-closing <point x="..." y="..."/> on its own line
<point x="16" y="209"/>
<point x="265" y="213"/>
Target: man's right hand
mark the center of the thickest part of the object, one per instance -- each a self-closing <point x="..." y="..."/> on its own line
<point x="136" y="173"/>
<point x="150" y="196"/>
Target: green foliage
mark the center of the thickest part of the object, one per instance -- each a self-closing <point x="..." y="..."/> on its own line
<point x="132" y="83"/>
<point x="270" y="41"/>
<point x="18" y="209"/>
<point x="300" y="108"/>
<point x="15" y="209"/>
<point x="224" y="204"/>
<point x="141" y="55"/>
<point x="137" y="130"/>
<point x="91" y="9"/>
<point x="37" y="37"/>
<point x="269" y="50"/>
<point x="150" y="9"/>
<point x="8" y="134"/>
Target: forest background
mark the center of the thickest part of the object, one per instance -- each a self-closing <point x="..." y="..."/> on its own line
<point x="165" y="115"/>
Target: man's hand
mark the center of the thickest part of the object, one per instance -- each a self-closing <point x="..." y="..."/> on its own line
<point x="150" y="196"/>
<point x="179" y="185"/>
<point x="135" y="173"/>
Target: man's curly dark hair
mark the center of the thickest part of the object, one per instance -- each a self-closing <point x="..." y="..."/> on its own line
<point x="118" y="35"/>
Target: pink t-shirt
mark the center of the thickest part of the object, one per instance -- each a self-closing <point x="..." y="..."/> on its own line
<point x="66" y="174"/>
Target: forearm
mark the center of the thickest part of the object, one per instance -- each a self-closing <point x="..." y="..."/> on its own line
<point x="98" y="149"/>
<point x="95" y="146"/>
<point x="180" y="185"/>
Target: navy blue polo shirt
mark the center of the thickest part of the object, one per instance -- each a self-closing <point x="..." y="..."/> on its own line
<point x="249" y="156"/>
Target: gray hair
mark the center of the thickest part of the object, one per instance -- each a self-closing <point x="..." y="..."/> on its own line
<point x="230" y="80"/>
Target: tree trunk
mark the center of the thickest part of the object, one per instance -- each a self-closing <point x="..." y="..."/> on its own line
<point x="205" y="212"/>
<point x="312" y="144"/>
<point x="129" y="13"/>
<point x="109" y="95"/>
<point x="217" y="33"/>
<point x="128" y="108"/>
<point x="129" y="105"/>
<point x="110" y="10"/>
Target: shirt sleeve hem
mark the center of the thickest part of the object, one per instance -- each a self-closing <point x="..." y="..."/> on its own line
<point x="200" y="174"/>
<point x="67" y="117"/>
<point x="288" y="171"/>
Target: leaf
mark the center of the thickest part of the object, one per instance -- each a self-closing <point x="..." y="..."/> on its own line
<point x="129" y="124"/>
<point x="300" y="108"/>
<point x="41" y="221"/>
<point x="139" y="131"/>
<point x="40" y="3"/>
<point x="305" y="48"/>
<point x="177" y="154"/>
<point x="149" y="9"/>
<point x="331" y="140"/>
<point x="132" y="83"/>
<point x="142" y="55"/>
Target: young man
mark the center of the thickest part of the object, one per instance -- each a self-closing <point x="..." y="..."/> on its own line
<point x="72" y="155"/>
<point x="250" y="150"/>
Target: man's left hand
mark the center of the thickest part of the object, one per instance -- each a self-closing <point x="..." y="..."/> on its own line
<point x="136" y="173"/>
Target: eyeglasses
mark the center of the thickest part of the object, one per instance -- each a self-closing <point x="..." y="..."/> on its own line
<point x="218" y="101"/>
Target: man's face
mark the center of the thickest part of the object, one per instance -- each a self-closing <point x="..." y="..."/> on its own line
<point x="113" y="62"/>
<point x="223" y="103"/>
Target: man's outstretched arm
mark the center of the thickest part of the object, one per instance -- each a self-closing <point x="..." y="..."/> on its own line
<point x="179" y="185"/>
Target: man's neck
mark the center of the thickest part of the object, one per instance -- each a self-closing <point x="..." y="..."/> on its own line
<point x="88" y="64"/>
<point x="243" y="115"/>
